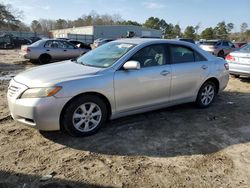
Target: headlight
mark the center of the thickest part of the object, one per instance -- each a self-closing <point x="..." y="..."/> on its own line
<point x="40" y="92"/>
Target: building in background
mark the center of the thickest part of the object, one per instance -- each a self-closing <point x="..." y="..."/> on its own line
<point x="88" y="34"/>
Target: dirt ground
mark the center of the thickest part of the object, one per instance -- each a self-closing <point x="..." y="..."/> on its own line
<point x="180" y="146"/>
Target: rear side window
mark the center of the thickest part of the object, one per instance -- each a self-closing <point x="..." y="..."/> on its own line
<point x="199" y="57"/>
<point x="225" y="43"/>
<point x="181" y="54"/>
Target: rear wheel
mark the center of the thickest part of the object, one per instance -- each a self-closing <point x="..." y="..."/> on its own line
<point x="206" y="94"/>
<point x="84" y="116"/>
<point x="44" y="58"/>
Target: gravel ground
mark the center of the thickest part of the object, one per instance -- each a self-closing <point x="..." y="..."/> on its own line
<point x="180" y="146"/>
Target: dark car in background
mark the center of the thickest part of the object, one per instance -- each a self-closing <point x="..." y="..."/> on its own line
<point x="80" y="44"/>
<point x="6" y="41"/>
<point x="19" y="41"/>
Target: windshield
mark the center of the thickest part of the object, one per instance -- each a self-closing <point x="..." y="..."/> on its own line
<point x="245" y="47"/>
<point x="105" y="55"/>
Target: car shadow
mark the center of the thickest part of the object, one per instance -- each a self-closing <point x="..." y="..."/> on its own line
<point x="174" y="131"/>
<point x="15" y="180"/>
<point x="245" y="79"/>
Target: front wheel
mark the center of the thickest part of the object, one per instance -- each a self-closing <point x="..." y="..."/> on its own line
<point x="206" y="94"/>
<point x="84" y="116"/>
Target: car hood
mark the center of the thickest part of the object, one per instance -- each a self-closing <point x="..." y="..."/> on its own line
<point x="48" y="75"/>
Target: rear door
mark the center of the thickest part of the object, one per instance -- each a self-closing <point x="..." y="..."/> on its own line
<point x="148" y="86"/>
<point x="53" y="48"/>
<point x="189" y="70"/>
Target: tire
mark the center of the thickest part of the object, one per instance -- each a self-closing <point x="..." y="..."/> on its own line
<point x="79" y="120"/>
<point x="206" y="95"/>
<point x="235" y="76"/>
<point x="221" y="54"/>
<point x="44" y="59"/>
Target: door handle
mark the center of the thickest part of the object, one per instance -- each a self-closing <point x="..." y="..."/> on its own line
<point x="65" y="50"/>
<point x="165" y="73"/>
<point x="47" y="50"/>
<point x="204" y="67"/>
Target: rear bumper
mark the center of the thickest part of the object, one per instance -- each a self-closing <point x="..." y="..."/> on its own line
<point x="239" y="69"/>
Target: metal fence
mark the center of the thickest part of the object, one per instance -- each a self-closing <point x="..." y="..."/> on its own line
<point x="89" y="39"/>
<point x="19" y="33"/>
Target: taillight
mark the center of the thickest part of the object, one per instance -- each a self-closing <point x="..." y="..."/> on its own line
<point x="26" y="50"/>
<point x="226" y="66"/>
<point x="230" y="57"/>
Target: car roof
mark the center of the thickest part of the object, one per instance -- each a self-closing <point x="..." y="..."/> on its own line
<point x="139" y="41"/>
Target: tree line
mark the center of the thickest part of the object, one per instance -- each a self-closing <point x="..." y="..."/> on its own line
<point x="10" y="20"/>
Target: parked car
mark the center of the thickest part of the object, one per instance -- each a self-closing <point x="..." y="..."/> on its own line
<point x="47" y="50"/>
<point x="34" y="39"/>
<point x="239" y="44"/>
<point x="99" y="42"/>
<point x="186" y="40"/>
<point x="80" y="44"/>
<point x="239" y="62"/>
<point x="120" y="78"/>
<point x="19" y="41"/>
<point x="218" y="48"/>
<point x="6" y="41"/>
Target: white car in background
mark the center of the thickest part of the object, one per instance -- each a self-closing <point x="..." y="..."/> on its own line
<point x="239" y="62"/>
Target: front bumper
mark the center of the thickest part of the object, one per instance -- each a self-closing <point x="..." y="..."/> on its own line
<point x="39" y="113"/>
<point x="239" y="69"/>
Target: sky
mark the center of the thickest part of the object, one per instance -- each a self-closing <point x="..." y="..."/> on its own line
<point x="184" y="12"/>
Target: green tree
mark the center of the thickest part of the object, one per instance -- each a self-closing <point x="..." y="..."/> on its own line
<point x="230" y="27"/>
<point x="36" y="26"/>
<point x="176" y="31"/>
<point x="189" y="32"/>
<point x="243" y="27"/>
<point x="8" y="20"/>
<point x="129" y="22"/>
<point x="207" y="34"/>
<point x="152" y="22"/>
<point x="61" y="24"/>
<point x="221" y="30"/>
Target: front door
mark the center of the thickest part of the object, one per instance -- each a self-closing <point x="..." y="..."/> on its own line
<point x="148" y="86"/>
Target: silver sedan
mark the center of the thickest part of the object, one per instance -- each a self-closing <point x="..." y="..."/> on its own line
<point x="46" y="50"/>
<point x="239" y="62"/>
<point x="120" y="78"/>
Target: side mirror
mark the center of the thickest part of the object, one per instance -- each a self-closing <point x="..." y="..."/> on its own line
<point x="132" y="65"/>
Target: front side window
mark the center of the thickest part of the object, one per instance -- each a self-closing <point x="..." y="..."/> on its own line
<point x="181" y="54"/>
<point x="105" y="55"/>
<point x="153" y="55"/>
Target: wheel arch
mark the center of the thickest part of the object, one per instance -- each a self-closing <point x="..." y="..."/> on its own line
<point x="214" y="80"/>
<point x="101" y="96"/>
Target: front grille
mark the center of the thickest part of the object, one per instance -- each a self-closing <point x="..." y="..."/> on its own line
<point x="15" y="89"/>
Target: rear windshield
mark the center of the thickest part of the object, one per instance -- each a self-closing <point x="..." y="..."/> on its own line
<point x="37" y="43"/>
<point x="209" y="43"/>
